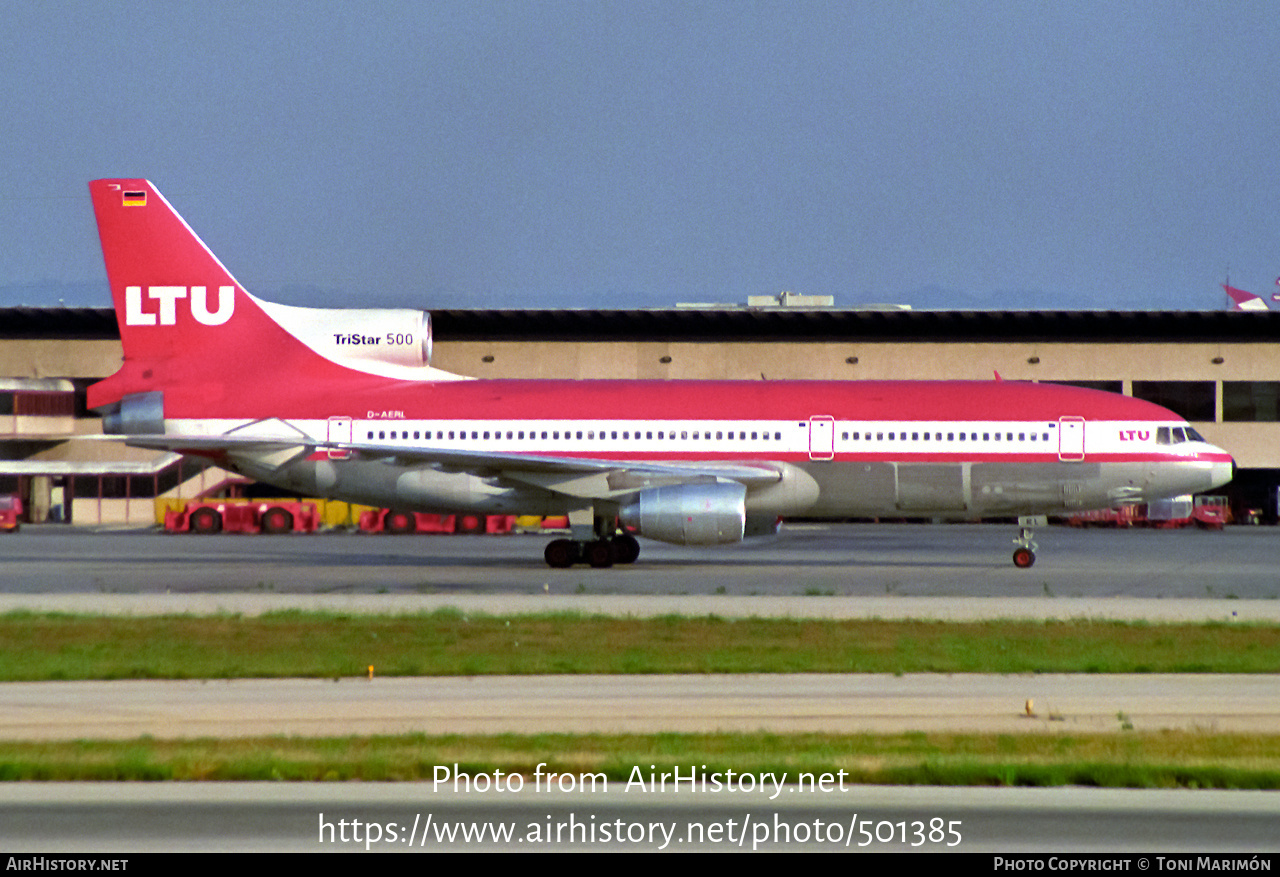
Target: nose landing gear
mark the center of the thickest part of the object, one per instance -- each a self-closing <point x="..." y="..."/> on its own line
<point x="1025" y="554"/>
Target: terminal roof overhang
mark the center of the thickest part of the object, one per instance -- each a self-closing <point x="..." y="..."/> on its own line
<point x="761" y="325"/>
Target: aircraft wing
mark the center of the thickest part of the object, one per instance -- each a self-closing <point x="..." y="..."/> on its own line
<point x="574" y="476"/>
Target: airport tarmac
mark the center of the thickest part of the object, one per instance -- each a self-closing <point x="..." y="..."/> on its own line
<point x="919" y="571"/>
<point x="815" y="560"/>
<point x="694" y="703"/>
<point x="131" y="818"/>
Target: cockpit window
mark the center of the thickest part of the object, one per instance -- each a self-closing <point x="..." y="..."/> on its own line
<point x="1176" y="435"/>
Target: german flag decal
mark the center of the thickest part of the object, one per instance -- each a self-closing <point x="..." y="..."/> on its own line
<point x="135" y="199"/>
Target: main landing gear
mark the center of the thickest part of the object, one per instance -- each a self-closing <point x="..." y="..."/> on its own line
<point x="1025" y="554"/>
<point x="599" y="553"/>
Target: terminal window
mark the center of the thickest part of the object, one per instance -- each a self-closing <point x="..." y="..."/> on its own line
<point x="1190" y="399"/>
<point x="1251" y="401"/>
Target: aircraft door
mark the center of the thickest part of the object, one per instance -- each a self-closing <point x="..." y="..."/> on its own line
<point x="1071" y="439"/>
<point x="822" y="438"/>
<point x="339" y="431"/>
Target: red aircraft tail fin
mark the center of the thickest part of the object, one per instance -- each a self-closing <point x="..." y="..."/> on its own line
<point x="1244" y="301"/>
<point x="182" y="315"/>
<point x="191" y="332"/>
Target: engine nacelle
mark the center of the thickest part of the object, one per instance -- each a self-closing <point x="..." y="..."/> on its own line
<point x="358" y="337"/>
<point x="689" y="514"/>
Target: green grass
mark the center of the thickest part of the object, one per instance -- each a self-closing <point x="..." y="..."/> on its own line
<point x="1171" y="759"/>
<point x="301" y="644"/>
<point x="55" y="646"/>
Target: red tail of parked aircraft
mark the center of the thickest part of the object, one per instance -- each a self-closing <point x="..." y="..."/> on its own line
<point x="345" y="403"/>
<point x="1247" y="301"/>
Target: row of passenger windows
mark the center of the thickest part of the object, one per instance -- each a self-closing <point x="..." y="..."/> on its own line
<point x="938" y="436"/>
<point x="588" y="435"/>
<point x="1164" y="435"/>
<point x="699" y="435"/>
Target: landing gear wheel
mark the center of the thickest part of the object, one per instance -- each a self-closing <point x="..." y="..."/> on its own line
<point x="598" y="554"/>
<point x="277" y="521"/>
<point x="561" y="553"/>
<point x="205" y="521"/>
<point x="1023" y="558"/>
<point x="626" y="548"/>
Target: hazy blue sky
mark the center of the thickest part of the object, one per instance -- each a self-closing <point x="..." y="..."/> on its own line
<point x="620" y="154"/>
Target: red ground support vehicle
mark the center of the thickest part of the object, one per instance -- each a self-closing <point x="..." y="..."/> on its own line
<point x="10" y="513"/>
<point x="1211" y="512"/>
<point x="401" y="522"/>
<point x="1169" y="514"/>
<point x="1206" y="512"/>
<point x="255" y="516"/>
<point x="1124" y="517"/>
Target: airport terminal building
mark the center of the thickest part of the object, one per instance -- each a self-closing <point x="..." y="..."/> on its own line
<point x="1219" y="369"/>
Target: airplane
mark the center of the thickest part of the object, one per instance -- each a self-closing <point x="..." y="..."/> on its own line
<point x="344" y="403"/>
<point x="1247" y="301"/>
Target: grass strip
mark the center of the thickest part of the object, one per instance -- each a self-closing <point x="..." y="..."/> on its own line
<point x="39" y="646"/>
<point x="1166" y="759"/>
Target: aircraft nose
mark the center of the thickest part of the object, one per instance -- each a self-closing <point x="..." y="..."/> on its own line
<point x="1223" y="469"/>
